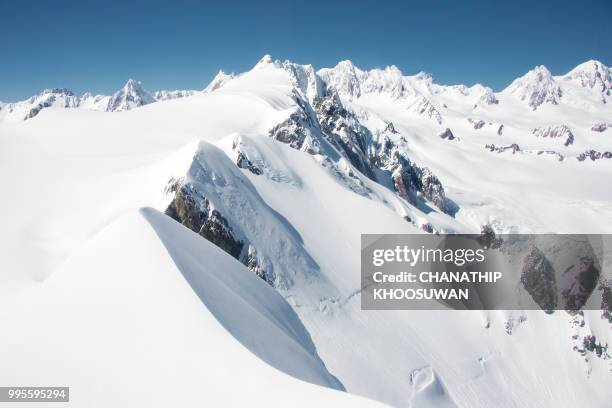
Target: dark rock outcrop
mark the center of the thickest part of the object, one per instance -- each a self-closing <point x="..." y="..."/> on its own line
<point x="244" y="163"/>
<point x="327" y="128"/>
<point x="390" y="128"/>
<point x="410" y="181"/>
<point x="559" y="156"/>
<point x="478" y="124"/>
<point x="599" y="127"/>
<point x="593" y="155"/>
<point x="343" y="130"/>
<point x="538" y="279"/>
<point x="583" y="275"/>
<point x="194" y="211"/>
<point x="606" y="300"/>
<point x="592" y="345"/>
<point x="488" y="238"/>
<point x="500" y="149"/>
<point x="447" y="134"/>
<point x="561" y="131"/>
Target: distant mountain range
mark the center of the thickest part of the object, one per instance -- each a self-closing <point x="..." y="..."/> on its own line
<point x="589" y="83"/>
<point x="282" y="168"/>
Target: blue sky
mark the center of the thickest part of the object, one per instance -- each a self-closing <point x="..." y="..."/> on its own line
<point x="98" y="45"/>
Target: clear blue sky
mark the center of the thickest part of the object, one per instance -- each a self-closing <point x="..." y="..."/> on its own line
<point x="97" y="46"/>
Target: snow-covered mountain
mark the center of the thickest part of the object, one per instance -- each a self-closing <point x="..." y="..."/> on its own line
<point x="282" y="168"/>
<point x="56" y="98"/>
<point x="166" y="95"/>
<point x="130" y="96"/>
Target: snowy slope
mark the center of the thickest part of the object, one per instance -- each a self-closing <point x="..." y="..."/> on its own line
<point x="153" y="315"/>
<point x="291" y="166"/>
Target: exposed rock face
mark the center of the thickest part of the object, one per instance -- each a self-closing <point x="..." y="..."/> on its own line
<point x="538" y="279"/>
<point x="391" y="128"/>
<point x="447" y="134"/>
<point x="583" y="277"/>
<point x="299" y="130"/>
<point x="599" y="127"/>
<point x="59" y="97"/>
<point x="488" y="238"/>
<point x="559" y="156"/>
<point x="251" y="261"/>
<point x="344" y="131"/>
<point x="478" y="124"/>
<point x="500" y="149"/>
<point x="585" y="342"/>
<point x="244" y="163"/>
<point x="424" y="107"/>
<point x="488" y="97"/>
<point x="164" y="95"/>
<point x="606" y="300"/>
<point x="217" y="200"/>
<point x="35" y="110"/>
<point x="195" y="212"/>
<point x="410" y="181"/>
<point x="513" y="323"/>
<point x="594" y="155"/>
<point x="325" y="127"/>
<point x="590" y="344"/>
<point x="561" y="131"/>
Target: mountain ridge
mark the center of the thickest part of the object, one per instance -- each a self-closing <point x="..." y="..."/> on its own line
<point x="537" y="87"/>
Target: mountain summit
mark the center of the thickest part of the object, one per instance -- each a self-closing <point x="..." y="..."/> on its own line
<point x="132" y="95"/>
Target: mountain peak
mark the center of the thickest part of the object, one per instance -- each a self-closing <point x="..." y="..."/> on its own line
<point x="133" y="85"/>
<point x="219" y="80"/>
<point x="594" y="75"/>
<point x="265" y="61"/>
<point x="346" y="64"/>
<point x="57" y="91"/>
<point x="537" y="87"/>
<point x="130" y="96"/>
<point x="392" y="69"/>
<point x="541" y="70"/>
<point x="589" y="66"/>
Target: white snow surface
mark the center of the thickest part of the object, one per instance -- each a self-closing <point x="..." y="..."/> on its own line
<point x="146" y="313"/>
<point x="75" y="246"/>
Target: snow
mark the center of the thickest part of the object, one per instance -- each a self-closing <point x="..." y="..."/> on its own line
<point x="165" y="95"/>
<point x="218" y="81"/>
<point x="536" y="87"/>
<point x="131" y="96"/>
<point x="139" y="285"/>
<point x="142" y="308"/>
